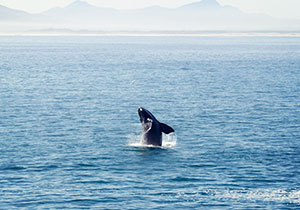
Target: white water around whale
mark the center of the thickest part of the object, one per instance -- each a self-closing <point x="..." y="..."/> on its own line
<point x="168" y="141"/>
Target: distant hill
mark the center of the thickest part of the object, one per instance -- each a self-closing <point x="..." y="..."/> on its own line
<point x="202" y="15"/>
<point x="7" y="14"/>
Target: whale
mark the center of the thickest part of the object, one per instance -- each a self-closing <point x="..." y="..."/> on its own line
<point x="152" y="128"/>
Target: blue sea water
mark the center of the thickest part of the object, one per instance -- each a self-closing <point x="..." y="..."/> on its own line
<point x="69" y="128"/>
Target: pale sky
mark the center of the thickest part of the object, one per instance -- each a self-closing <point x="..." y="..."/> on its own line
<point x="275" y="8"/>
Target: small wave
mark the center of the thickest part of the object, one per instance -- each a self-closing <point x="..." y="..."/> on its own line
<point x="12" y="167"/>
<point x="86" y="165"/>
<point x="94" y="182"/>
<point x="190" y="179"/>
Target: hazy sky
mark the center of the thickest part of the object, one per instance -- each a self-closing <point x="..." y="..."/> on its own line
<point x="276" y="8"/>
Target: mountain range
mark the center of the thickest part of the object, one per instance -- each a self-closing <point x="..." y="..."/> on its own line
<point x="199" y="16"/>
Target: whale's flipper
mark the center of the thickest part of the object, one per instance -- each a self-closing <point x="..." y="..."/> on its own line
<point x="166" y="129"/>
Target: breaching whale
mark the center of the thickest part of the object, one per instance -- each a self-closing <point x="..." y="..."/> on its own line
<point x="152" y="128"/>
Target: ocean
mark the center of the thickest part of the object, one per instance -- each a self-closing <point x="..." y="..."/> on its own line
<point x="70" y="132"/>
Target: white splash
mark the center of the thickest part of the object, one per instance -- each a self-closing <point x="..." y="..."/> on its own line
<point x="169" y="140"/>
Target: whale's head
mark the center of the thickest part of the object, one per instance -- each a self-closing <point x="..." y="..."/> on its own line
<point x="145" y="115"/>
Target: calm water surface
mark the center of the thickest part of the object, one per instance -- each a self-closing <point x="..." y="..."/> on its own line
<point x="69" y="125"/>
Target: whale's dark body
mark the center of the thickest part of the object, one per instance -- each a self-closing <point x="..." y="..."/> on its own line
<point x="152" y="128"/>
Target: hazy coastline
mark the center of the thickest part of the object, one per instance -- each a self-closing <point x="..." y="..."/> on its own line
<point x="69" y="32"/>
<point x="201" y="18"/>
